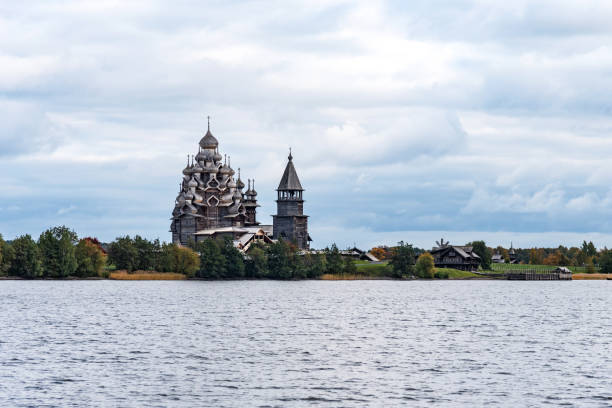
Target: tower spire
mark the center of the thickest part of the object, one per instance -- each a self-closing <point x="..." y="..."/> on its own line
<point x="290" y="155"/>
<point x="208" y="117"/>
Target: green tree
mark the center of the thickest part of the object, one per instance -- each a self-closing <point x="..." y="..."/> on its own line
<point x="212" y="262"/>
<point x="90" y="259"/>
<point x="424" y="267"/>
<point x="605" y="261"/>
<point x="315" y="265"/>
<point x="234" y="261"/>
<point x="186" y="261"/>
<point x="484" y="252"/>
<point x="349" y="267"/>
<point x="123" y="254"/>
<point x="7" y="254"/>
<point x="26" y="262"/>
<point x="334" y="261"/>
<point x="57" y="250"/>
<point x="402" y="260"/>
<point x="588" y="249"/>
<point x="256" y="265"/>
<point x="278" y="260"/>
<point x="148" y="253"/>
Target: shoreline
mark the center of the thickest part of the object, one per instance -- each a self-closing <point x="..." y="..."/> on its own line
<point x="335" y="278"/>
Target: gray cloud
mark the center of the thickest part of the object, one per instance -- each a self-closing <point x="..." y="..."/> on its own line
<point x="433" y="116"/>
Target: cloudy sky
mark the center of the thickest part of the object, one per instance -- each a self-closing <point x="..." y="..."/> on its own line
<point x="408" y="120"/>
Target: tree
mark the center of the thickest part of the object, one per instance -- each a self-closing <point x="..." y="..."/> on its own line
<point x="256" y="263"/>
<point x="349" y="266"/>
<point x="425" y="267"/>
<point x="402" y="260"/>
<point x="589" y="249"/>
<point x="57" y="250"/>
<point x="186" y="261"/>
<point x="90" y="259"/>
<point x="2" y="245"/>
<point x="334" y="260"/>
<point x="147" y="253"/>
<point x="605" y="261"/>
<point x="314" y="265"/>
<point x="234" y="261"/>
<point x="123" y="254"/>
<point x="212" y="262"/>
<point x="26" y="262"/>
<point x="504" y="253"/>
<point x="481" y="249"/>
<point x="278" y="260"/>
<point x="7" y="255"/>
<point x="536" y="256"/>
<point x="379" y="253"/>
<point x="557" y="258"/>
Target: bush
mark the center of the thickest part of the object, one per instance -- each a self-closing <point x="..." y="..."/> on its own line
<point x="441" y="275"/>
<point x="424" y="267"/>
<point x="91" y="260"/>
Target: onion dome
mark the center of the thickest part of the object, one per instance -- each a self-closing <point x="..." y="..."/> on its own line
<point x="197" y="168"/>
<point x="203" y="155"/>
<point x="239" y="183"/>
<point x="217" y="157"/>
<point x="224" y="169"/>
<point x="188" y="196"/>
<point x="231" y="183"/>
<point x="192" y="183"/>
<point x="209" y="141"/>
<point x="180" y="199"/>
<point x="253" y="192"/>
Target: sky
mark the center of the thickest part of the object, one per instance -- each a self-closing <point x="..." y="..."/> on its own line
<point x="408" y="121"/>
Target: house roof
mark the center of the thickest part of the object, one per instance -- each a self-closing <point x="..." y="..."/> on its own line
<point x="463" y="251"/>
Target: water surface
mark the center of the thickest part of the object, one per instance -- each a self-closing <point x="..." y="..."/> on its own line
<point x="309" y="343"/>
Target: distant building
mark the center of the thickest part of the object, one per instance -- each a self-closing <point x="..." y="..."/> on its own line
<point x="456" y="257"/>
<point x="290" y="223"/>
<point x="211" y="203"/>
<point x="512" y="255"/>
<point x="498" y="258"/>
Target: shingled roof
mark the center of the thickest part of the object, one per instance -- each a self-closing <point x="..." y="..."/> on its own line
<point x="290" y="180"/>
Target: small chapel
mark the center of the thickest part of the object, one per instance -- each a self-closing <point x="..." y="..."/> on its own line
<point x="211" y="203"/>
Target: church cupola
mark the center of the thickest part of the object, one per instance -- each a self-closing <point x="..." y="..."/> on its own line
<point x="290" y="187"/>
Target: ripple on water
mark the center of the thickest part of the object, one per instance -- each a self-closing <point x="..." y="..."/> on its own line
<point x="269" y="344"/>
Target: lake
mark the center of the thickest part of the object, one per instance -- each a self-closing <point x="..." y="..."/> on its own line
<point x="307" y="343"/>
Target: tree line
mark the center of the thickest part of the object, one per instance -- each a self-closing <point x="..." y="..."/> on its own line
<point x="220" y="259"/>
<point x="404" y="257"/>
<point x="57" y="254"/>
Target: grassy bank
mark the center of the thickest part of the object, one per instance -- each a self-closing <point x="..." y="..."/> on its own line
<point x="346" y="276"/>
<point x="379" y="270"/>
<point x="146" y="275"/>
<point x="457" y="274"/>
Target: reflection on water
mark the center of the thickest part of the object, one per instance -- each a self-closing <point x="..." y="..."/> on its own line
<point x="363" y="343"/>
